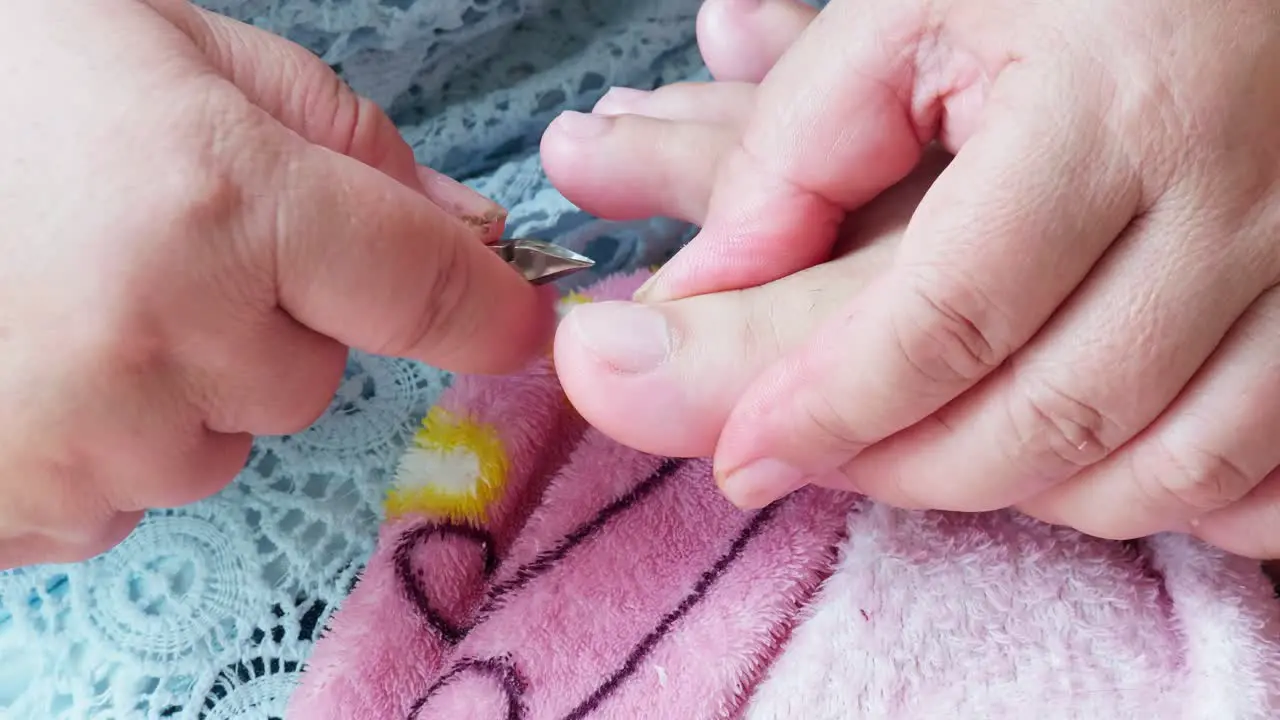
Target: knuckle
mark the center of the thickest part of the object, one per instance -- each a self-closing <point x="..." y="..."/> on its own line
<point x="436" y="322"/>
<point x="96" y="538"/>
<point x="193" y="469"/>
<point x="365" y="132"/>
<point x="354" y="125"/>
<point x="949" y="335"/>
<point x="172" y="491"/>
<point x="78" y="521"/>
<point x="69" y="551"/>
<point x="315" y="395"/>
<point x="194" y="193"/>
<point x="831" y="424"/>
<point x="299" y="413"/>
<point x="286" y="415"/>
<point x="123" y="344"/>
<point x="1200" y="480"/>
<point x="1053" y="426"/>
<point x="204" y="183"/>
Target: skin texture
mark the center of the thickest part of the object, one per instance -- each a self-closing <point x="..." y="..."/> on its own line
<point x="1079" y="318"/>
<point x="193" y="239"/>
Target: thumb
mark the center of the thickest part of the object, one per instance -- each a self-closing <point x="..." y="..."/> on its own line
<point x="368" y="262"/>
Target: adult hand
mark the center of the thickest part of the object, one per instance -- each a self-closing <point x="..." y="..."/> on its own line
<point x="197" y="220"/>
<point x="1080" y="316"/>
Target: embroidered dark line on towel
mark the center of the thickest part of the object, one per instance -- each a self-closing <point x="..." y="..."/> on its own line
<point x="784" y="630"/>
<point x="668" y="622"/>
<point x="403" y="562"/>
<point x="546" y="560"/>
<point x="500" y="670"/>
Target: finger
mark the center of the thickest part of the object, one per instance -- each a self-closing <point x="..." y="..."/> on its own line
<point x="743" y="39"/>
<point x="713" y="346"/>
<point x="485" y="217"/>
<point x="823" y="140"/>
<point x="304" y="94"/>
<point x="656" y="153"/>
<point x="53" y="498"/>
<point x="296" y="88"/>
<point x="1250" y="527"/>
<point x="278" y="380"/>
<point x="632" y="167"/>
<point x="374" y="266"/>
<point x="718" y="103"/>
<point x="1209" y="449"/>
<point x="91" y="540"/>
<point x="978" y="273"/>
<point x="157" y="453"/>
<point x="188" y="472"/>
<point x="1114" y="357"/>
<point x="138" y="443"/>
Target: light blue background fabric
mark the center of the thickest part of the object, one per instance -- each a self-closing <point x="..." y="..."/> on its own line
<point x="208" y="611"/>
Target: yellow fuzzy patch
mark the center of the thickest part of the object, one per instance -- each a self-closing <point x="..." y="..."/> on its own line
<point x="574" y="298"/>
<point x="455" y="469"/>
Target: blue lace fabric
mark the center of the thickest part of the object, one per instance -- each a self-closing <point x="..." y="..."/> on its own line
<point x="210" y="611"/>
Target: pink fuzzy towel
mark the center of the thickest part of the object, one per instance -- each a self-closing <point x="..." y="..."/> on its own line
<point x="530" y="568"/>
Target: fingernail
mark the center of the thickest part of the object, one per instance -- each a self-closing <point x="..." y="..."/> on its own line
<point x="474" y="209"/>
<point x="583" y="126"/>
<point x="645" y="290"/>
<point x="621" y="101"/>
<point x="759" y="483"/>
<point x="628" y="337"/>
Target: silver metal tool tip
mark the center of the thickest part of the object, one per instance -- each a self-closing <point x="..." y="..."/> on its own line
<point x="540" y="262"/>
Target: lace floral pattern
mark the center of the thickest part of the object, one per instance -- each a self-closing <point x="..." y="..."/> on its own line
<point x="208" y="612"/>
